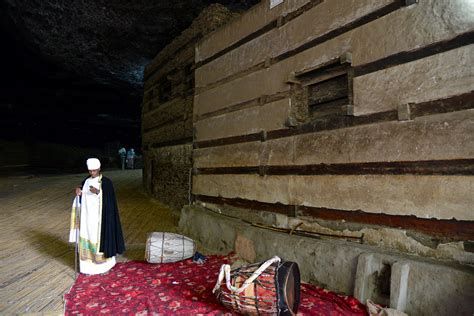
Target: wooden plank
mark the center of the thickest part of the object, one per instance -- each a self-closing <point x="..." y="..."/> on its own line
<point x="430" y="167"/>
<point x="461" y="230"/>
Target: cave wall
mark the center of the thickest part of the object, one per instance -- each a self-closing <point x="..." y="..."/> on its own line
<point x="167" y="120"/>
<point x="22" y="157"/>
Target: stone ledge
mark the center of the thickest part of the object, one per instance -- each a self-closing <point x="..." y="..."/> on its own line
<point x="333" y="264"/>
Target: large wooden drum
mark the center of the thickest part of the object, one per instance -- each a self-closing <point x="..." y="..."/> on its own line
<point x="164" y="247"/>
<point x="271" y="288"/>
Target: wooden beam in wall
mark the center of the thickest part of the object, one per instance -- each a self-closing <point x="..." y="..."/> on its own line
<point x="430" y="167"/>
<point x="161" y="124"/>
<point x="247" y="204"/>
<point x="456" y="103"/>
<point x="459" y="230"/>
<point x="260" y="101"/>
<point x="393" y="6"/>
<point x="175" y="142"/>
<point x="155" y="67"/>
<point x="422" y="52"/>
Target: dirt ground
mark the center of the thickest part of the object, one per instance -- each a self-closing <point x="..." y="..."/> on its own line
<point x="37" y="262"/>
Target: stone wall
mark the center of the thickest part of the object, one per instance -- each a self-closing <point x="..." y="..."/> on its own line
<point x="167" y="126"/>
<point x="358" y="111"/>
<point x="347" y="118"/>
<point x="167" y="174"/>
<point x="415" y="285"/>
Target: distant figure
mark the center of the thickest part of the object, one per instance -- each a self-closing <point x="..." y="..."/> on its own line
<point x="100" y="232"/>
<point x="130" y="158"/>
<point x="122" y="153"/>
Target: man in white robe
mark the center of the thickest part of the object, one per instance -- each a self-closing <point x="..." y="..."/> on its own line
<point x="100" y="232"/>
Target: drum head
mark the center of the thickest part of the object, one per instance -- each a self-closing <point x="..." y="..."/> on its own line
<point x="288" y="292"/>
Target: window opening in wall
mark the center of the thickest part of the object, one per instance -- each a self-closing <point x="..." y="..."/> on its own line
<point x="274" y="3"/>
<point x="164" y="90"/>
<point x="327" y="87"/>
<point x="328" y="97"/>
<point x="381" y="284"/>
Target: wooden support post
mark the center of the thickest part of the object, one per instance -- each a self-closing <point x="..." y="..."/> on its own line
<point x="346" y="58"/>
<point x="293" y="211"/>
<point x="268" y="62"/>
<point x="291" y="122"/>
<point x="350" y="110"/>
<point x="292" y="79"/>
<point x="404" y="112"/>
<point x="350" y="91"/>
<point x="280" y="21"/>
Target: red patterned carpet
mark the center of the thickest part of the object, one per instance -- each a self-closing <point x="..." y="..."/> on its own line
<point x="181" y="288"/>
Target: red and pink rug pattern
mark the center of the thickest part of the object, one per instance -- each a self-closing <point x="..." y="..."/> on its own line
<point x="181" y="288"/>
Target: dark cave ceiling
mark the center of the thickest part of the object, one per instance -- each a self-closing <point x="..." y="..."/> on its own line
<point x="68" y="65"/>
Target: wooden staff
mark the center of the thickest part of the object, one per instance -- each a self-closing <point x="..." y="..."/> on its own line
<point x="78" y="225"/>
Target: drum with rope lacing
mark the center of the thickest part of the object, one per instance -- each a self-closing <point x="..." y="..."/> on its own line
<point x="269" y="288"/>
<point x="164" y="247"/>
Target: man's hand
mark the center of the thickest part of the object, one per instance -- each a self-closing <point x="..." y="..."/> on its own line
<point x="78" y="191"/>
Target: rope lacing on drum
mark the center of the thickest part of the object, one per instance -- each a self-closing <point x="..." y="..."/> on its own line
<point x="225" y="271"/>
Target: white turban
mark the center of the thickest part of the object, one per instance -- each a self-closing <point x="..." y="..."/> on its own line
<point x="93" y="164"/>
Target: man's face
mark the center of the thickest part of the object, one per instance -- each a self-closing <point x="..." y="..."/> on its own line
<point x="94" y="173"/>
